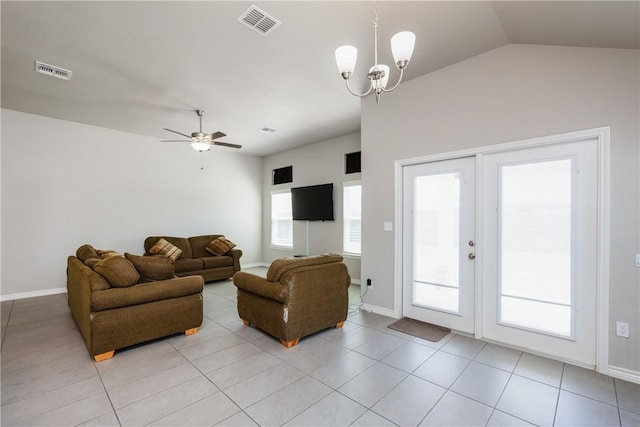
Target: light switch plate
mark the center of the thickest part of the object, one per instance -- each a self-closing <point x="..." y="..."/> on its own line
<point x="388" y="226"/>
<point x="637" y="260"/>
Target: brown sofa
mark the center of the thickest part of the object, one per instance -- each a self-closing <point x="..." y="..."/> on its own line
<point x="195" y="259"/>
<point x="111" y="317"/>
<point x="300" y="296"/>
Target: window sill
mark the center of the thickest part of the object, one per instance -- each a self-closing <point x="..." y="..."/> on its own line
<point x="350" y="255"/>
<point x="282" y="248"/>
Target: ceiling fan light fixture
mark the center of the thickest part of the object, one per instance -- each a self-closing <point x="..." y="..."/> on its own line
<point x="201" y="141"/>
<point x="201" y="146"/>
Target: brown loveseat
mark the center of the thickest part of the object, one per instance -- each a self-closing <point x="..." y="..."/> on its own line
<point x="299" y="297"/>
<point x="111" y="317"/>
<point x="195" y="259"/>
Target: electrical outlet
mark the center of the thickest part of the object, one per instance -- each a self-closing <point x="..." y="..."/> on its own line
<point x="369" y="285"/>
<point x="622" y="329"/>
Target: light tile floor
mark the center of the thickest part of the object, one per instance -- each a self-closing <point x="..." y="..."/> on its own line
<point x="227" y="374"/>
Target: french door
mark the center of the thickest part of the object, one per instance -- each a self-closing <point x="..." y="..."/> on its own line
<point x="537" y="256"/>
<point x="540" y="249"/>
<point x="438" y="243"/>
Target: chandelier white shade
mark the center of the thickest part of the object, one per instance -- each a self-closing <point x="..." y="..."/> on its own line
<point x="346" y="57"/>
<point x="402" y="45"/>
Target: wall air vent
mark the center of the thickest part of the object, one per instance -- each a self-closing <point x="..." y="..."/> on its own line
<point x="53" y="71"/>
<point x="258" y="20"/>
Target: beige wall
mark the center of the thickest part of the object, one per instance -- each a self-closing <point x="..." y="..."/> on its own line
<point x="65" y="184"/>
<point x="512" y="93"/>
<point x="318" y="163"/>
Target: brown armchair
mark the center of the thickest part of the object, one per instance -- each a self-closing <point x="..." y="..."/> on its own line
<point x="300" y="296"/>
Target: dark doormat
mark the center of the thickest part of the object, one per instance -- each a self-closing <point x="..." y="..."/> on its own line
<point x="419" y="329"/>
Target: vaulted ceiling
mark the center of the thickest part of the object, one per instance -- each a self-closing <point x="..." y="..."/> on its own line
<point x="141" y="66"/>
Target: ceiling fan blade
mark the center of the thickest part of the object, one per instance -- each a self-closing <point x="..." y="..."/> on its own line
<point x="179" y="133"/>
<point x="226" y="144"/>
<point x="217" y="135"/>
<point x="174" y="140"/>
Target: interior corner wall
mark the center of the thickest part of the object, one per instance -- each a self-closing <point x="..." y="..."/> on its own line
<point x="509" y="94"/>
<point x="318" y="163"/>
<point x="65" y="184"/>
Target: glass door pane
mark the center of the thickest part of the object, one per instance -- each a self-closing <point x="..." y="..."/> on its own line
<point x="436" y="243"/>
<point x="535" y="228"/>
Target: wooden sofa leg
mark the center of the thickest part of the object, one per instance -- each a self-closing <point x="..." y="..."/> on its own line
<point x="339" y="325"/>
<point x="191" y="331"/>
<point x="104" y="356"/>
<point x="289" y="344"/>
<point x="245" y="322"/>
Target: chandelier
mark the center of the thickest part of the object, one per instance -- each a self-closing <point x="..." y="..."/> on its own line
<point x="402" y="45"/>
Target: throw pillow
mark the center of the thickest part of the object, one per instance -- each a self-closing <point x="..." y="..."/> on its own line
<point x="152" y="268"/>
<point x="118" y="271"/>
<point x="91" y="262"/>
<point x="85" y="252"/>
<point x="164" y="248"/>
<point x="219" y="246"/>
<point x="104" y="253"/>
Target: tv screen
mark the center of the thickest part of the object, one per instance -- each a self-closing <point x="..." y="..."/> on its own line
<point x="313" y="203"/>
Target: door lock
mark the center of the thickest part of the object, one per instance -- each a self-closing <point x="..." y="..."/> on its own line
<point x="472" y="243"/>
<point x="472" y="255"/>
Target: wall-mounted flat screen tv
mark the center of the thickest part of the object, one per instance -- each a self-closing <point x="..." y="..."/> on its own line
<point x="313" y="203"/>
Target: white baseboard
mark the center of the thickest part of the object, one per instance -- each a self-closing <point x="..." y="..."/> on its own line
<point x="255" y="264"/>
<point x="378" y="310"/>
<point x="624" y="374"/>
<point x="355" y="282"/>
<point x="33" y="294"/>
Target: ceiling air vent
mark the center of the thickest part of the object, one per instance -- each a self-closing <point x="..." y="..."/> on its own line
<point x="258" y="20"/>
<point x="53" y="71"/>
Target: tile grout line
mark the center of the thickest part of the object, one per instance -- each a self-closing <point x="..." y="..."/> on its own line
<point x="6" y="327"/>
<point x="555" y="414"/>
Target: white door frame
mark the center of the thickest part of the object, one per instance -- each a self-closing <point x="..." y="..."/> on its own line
<point x="602" y="136"/>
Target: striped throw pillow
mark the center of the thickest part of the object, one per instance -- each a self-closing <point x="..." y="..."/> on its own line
<point x="164" y="248"/>
<point x="219" y="246"/>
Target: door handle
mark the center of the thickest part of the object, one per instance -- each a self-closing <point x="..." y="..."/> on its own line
<point x="472" y="255"/>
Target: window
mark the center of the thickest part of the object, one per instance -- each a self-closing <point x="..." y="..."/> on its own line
<point x="282" y="175"/>
<point x="352" y="193"/>
<point x="281" y="220"/>
<point x="352" y="163"/>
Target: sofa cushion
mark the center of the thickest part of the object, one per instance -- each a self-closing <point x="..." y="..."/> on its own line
<point x="181" y="242"/>
<point x="219" y="246"/>
<point x="85" y="252"/>
<point x="152" y="268"/>
<point x="164" y="248"/>
<point x="217" y="261"/>
<point x="282" y="265"/>
<point x="146" y="292"/>
<point x="197" y="244"/>
<point x="186" y="265"/>
<point x="118" y="271"/>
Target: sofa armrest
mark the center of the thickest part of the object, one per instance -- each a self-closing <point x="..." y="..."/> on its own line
<point x="260" y="286"/>
<point x="146" y="292"/>
<point x="235" y="254"/>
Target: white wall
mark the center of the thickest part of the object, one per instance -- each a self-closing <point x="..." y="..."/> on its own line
<point x="319" y="163"/>
<point x="512" y="93"/>
<point x="65" y="184"/>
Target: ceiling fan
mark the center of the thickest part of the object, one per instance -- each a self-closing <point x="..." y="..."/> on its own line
<point x="201" y="141"/>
